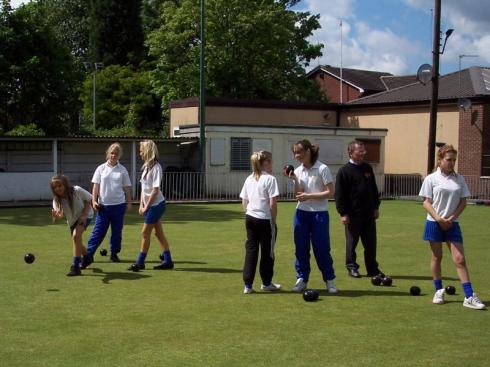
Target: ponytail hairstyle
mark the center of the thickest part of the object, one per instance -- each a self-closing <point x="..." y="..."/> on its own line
<point x="149" y="156"/>
<point x="442" y="151"/>
<point x="257" y="159"/>
<point x="306" y="145"/>
<point x="63" y="180"/>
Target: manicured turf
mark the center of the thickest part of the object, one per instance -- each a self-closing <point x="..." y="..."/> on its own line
<point x="196" y="315"/>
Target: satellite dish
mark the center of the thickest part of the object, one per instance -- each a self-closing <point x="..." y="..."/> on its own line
<point x="464" y="103"/>
<point x="424" y="73"/>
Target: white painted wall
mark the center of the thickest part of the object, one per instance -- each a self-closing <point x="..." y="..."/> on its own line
<point x="19" y="186"/>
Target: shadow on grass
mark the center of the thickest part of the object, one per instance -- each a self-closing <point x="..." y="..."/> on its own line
<point x="183" y="213"/>
<point x="420" y="277"/>
<point x="209" y="270"/>
<point x="117" y="275"/>
<point x="175" y="213"/>
<point x="362" y="293"/>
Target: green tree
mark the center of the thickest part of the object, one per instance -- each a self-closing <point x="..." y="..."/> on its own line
<point x="255" y="49"/>
<point x="124" y="103"/>
<point x="116" y="33"/>
<point x="37" y="78"/>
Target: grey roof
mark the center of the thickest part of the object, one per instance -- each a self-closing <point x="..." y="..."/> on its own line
<point x="393" y="81"/>
<point x="470" y="83"/>
<point x="367" y="80"/>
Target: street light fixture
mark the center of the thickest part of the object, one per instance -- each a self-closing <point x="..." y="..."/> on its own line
<point x="96" y="67"/>
<point x="448" y="33"/>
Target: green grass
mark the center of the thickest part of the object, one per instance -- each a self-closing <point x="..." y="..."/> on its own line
<point x="197" y="315"/>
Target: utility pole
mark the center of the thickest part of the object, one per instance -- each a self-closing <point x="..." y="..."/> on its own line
<point x="202" y="94"/>
<point x="435" y="87"/>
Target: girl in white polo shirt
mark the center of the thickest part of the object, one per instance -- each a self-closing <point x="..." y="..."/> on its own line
<point x="73" y="202"/>
<point x="259" y="199"/>
<point x="152" y="207"/>
<point x="111" y="197"/>
<point x="313" y="185"/>
<point x="445" y="192"/>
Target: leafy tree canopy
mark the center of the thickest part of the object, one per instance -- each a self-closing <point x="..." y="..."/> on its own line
<point x="255" y="49"/>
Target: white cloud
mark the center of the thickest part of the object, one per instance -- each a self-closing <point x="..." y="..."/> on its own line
<point x="470" y="20"/>
<point x="16" y="3"/>
<point x="363" y="46"/>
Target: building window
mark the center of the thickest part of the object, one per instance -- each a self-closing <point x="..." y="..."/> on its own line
<point x="373" y="150"/>
<point x="241" y="149"/>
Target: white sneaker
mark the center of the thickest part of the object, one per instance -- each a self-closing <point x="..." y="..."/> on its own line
<point x="331" y="287"/>
<point x="474" y="302"/>
<point x="300" y="286"/>
<point x="271" y="287"/>
<point x="247" y="290"/>
<point x="438" y="297"/>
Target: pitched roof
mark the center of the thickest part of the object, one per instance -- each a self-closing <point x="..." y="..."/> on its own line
<point x="469" y="83"/>
<point x="393" y="81"/>
<point x="365" y="80"/>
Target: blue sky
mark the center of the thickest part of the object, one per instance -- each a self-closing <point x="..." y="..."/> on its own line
<point x="396" y="35"/>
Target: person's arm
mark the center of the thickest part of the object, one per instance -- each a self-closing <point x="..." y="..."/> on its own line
<point x="95" y="196"/>
<point x="375" y="193"/>
<point x="341" y="197"/>
<point x="127" y="195"/>
<point x="327" y="193"/>
<point x="458" y="211"/>
<point x="151" y="199"/>
<point x="244" y="204"/>
<point x="273" y="206"/>
<point x="82" y="220"/>
<point x="443" y="222"/>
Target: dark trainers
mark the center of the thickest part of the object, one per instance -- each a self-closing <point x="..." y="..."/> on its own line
<point x="86" y="261"/>
<point x="115" y="258"/>
<point x="74" y="271"/>
<point x="164" y="266"/>
<point x="136" y="267"/>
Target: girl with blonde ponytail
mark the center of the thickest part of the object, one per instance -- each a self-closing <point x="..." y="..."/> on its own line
<point x="259" y="199"/>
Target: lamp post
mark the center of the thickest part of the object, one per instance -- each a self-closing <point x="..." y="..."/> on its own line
<point x="202" y="93"/>
<point x="96" y="67"/>
<point x="435" y="83"/>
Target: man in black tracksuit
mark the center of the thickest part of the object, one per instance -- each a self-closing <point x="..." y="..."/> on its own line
<point x="357" y="201"/>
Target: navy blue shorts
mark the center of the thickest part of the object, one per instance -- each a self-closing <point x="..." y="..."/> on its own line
<point x="434" y="233"/>
<point x="72" y="228"/>
<point x="154" y="213"/>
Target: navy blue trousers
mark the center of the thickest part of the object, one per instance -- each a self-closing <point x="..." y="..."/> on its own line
<point x="312" y="227"/>
<point x="112" y="215"/>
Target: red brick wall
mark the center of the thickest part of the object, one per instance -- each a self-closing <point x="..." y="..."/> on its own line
<point x="330" y="86"/>
<point x="474" y="138"/>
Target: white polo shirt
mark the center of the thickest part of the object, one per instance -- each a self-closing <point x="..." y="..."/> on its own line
<point x="258" y="193"/>
<point x="79" y="196"/>
<point x="445" y="192"/>
<point x="112" y="180"/>
<point x="149" y="180"/>
<point x="313" y="180"/>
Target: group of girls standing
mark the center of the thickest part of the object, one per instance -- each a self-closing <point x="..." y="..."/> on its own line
<point x="111" y="198"/>
<point x="444" y="193"/>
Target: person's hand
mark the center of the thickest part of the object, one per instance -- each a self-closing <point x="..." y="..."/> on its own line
<point x="142" y="210"/>
<point x="95" y="205"/>
<point x="129" y="205"/>
<point x="56" y="213"/>
<point x="376" y="214"/>
<point x="445" y="224"/>
<point x="302" y="196"/>
<point x="82" y="220"/>
<point x="345" y="220"/>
